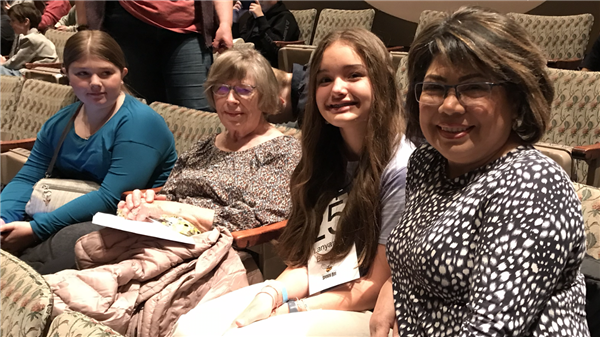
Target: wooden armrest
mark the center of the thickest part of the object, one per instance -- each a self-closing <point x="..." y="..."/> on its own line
<point x="47" y="65"/>
<point x="7" y="145"/>
<point x="399" y="48"/>
<point x="281" y="44"/>
<point x="567" y="64"/>
<point x="256" y="236"/>
<point x="126" y="193"/>
<point x="586" y="152"/>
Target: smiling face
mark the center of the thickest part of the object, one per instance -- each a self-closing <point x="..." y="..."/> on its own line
<point x="96" y="82"/>
<point x="472" y="136"/>
<point x="344" y="94"/>
<point x="239" y="114"/>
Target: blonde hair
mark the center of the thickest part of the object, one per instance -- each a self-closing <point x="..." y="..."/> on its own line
<point x="284" y="81"/>
<point x="237" y="64"/>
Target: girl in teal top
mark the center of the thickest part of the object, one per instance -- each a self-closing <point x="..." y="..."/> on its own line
<point x="115" y="140"/>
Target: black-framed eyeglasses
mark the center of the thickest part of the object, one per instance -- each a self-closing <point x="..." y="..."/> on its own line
<point x="243" y="90"/>
<point x="468" y="94"/>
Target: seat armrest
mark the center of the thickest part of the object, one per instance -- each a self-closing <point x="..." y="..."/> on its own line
<point x="586" y="152"/>
<point x="256" y="236"/>
<point x="56" y="65"/>
<point x="567" y="64"/>
<point x="399" y="48"/>
<point x="126" y="193"/>
<point x="281" y="44"/>
<point x="7" y="145"/>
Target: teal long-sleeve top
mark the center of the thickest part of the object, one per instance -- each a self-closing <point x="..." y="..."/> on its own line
<point x="134" y="149"/>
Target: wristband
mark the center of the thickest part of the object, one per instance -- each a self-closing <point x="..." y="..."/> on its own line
<point x="284" y="295"/>
<point x="292" y="306"/>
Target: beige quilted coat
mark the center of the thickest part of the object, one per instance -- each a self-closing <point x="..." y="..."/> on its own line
<point x="140" y="285"/>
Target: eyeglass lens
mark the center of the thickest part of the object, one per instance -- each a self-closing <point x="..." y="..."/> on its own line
<point x="467" y="93"/>
<point x="242" y="90"/>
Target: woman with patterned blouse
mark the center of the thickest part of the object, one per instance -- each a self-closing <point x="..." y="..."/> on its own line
<point x="492" y="237"/>
<point x="238" y="179"/>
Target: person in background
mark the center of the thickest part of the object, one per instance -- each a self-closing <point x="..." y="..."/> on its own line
<point x="237" y="179"/>
<point x="68" y="23"/>
<point x="269" y="21"/>
<point x="8" y="34"/>
<point x="113" y="140"/>
<point x="293" y="90"/>
<point x="492" y="239"/>
<point x="53" y="12"/>
<point x="30" y="45"/>
<point x="167" y="44"/>
<point x="347" y="194"/>
<point x="591" y="62"/>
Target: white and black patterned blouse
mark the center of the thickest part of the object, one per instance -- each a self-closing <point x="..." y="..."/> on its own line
<point x="494" y="252"/>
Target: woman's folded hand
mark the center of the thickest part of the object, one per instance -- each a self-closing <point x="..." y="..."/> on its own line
<point x="140" y="205"/>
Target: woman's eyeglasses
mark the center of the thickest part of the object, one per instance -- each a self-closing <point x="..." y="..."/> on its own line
<point x="468" y="94"/>
<point x="243" y="90"/>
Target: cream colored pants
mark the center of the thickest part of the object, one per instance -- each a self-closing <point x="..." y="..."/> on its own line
<point x="213" y="318"/>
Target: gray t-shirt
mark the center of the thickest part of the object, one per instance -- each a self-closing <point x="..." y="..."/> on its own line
<point x="393" y="183"/>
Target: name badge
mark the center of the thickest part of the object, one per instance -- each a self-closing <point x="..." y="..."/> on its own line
<point x="326" y="274"/>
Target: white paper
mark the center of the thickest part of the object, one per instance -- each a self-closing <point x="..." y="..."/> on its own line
<point x="153" y="229"/>
<point x="324" y="275"/>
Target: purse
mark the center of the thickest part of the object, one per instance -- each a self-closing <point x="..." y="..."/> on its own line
<point x="51" y="193"/>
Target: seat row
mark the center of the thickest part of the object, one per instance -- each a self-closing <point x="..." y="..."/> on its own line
<point x="27" y="300"/>
<point x="563" y="39"/>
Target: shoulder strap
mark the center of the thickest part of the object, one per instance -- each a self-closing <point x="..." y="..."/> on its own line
<point x="62" y="139"/>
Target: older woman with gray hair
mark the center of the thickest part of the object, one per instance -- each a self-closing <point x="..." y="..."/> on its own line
<point x="492" y="237"/>
<point x="240" y="178"/>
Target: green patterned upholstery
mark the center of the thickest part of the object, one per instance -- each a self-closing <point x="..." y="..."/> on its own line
<point x="560" y="37"/>
<point x="333" y="19"/>
<point x="590" y="206"/>
<point x="26" y="299"/>
<point x="59" y="38"/>
<point x="575" y="115"/>
<point x="401" y="75"/>
<point x="10" y="90"/>
<point x="39" y="100"/>
<point x="189" y="125"/>
<point x="306" y="22"/>
<point x="427" y="17"/>
<point x="75" y="324"/>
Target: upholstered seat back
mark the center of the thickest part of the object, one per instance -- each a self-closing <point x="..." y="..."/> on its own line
<point x="189" y="125"/>
<point x="427" y="17"/>
<point x="39" y="100"/>
<point x="560" y="37"/>
<point x="306" y="22"/>
<point x="401" y="74"/>
<point x="590" y="206"/>
<point x="575" y="114"/>
<point x="59" y="38"/>
<point x="333" y="19"/>
<point x="10" y="91"/>
<point x="71" y="323"/>
<point x="25" y="297"/>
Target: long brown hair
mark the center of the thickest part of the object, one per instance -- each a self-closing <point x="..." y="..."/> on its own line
<point x="494" y="45"/>
<point x="322" y="169"/>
